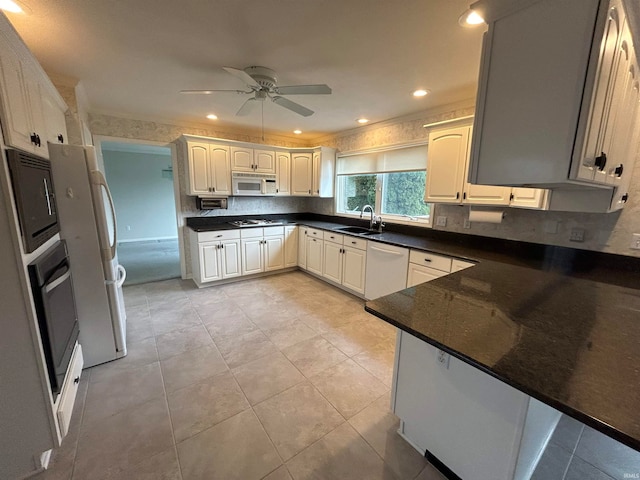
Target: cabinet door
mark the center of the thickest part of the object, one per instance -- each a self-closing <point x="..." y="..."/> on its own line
<point x="486" y="195"/>
<point x="273" y="253"/>
<point x="55" y="122"/>
<point x="290" y="246"/>
<point x="210" y="262"/>
<point x="317" y="158"/>
<point x="283" y="172"/>
<point x="252" y="260"/>
<point x="354" y="268"/>
<point x="601" y="95"/>
<point x="302" y="247"/>
<point x="301" y="174"/>
<point x="419" y="274"/>
<point x="528" y="197"/>
<point x="314" y="255"/>
<point x="241" y="159"/>
<point x="264" y="161"/>
<point x="34" y="100"/>
<point x="446" y="162"/>
<point x="16" y="121"/>
<point x="230" y="263"/>
<point x="198" y="174"/>
<point x="332" y="262"/>
<point x="220" y="169"/>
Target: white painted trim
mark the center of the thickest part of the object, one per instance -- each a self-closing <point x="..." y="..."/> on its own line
<point x="446" y="122"/>
<point x="384" y="148"/>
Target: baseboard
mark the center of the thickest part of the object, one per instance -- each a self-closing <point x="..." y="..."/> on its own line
<point x="156" y="239"/>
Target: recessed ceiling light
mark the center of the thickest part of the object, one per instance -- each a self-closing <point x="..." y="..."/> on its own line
<point x="420" y="93"/>
<point x="211" y="116"/>
<point x="470" y="18"/>
<point x="10" y="6"/>
<point x="362" y="121"/>
<point x="297" y="131"/>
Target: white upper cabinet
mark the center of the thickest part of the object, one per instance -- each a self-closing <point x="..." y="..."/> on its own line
<point x="447" y="166"/>
<point x="209" y="170"/>
<point x="301" y="173"/>
<point x="241" y="159"/>
<point x="283" y="173"/>
<point x="324" y="167"/>
<point x="264" y="161"/>
<point x="555" y="115"/>
<point x="32" y="110"/>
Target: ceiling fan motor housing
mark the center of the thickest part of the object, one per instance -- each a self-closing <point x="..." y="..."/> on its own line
<point x="265" y="77"/>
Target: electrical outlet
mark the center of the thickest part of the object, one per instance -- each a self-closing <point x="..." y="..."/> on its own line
<point x="577" y="235"/>
<point x="467" y="223"/>
<point x="443" y="359"/>
<point x="128" y="228"/>
<point x="635" y="241"/>
<point x="441" y="221"/>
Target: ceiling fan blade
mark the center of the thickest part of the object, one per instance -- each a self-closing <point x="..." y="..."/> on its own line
<point x="320" y="89"/>
<point x="242" y="75"/>
<point x="293" y="106"/>
<point x="209" y="92"/>
<point x="246" y="107"/>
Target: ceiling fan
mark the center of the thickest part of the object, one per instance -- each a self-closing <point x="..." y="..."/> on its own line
<point x="262" y="84"/>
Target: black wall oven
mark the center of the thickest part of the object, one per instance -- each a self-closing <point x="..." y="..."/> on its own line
<point x="56" y="310"/>
<point x="34" y="196"/>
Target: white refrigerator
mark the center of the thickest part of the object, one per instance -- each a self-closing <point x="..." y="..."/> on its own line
<point x="88" y="225"/>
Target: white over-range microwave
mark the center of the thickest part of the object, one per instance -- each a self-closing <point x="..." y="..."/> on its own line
<point x="253" y="184"/>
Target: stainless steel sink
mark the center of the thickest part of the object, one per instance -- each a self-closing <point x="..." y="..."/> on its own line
<point x="359" y="230"/>
<point x="371" y="232"/>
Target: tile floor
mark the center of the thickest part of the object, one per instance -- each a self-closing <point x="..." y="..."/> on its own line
<point x="283" y="377"/>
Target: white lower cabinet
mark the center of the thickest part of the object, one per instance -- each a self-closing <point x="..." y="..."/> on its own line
<point x="424" y="267"/>
<point x="69" y="390"/>
<point x="314" y="254"/>
<point x="468" y="420"/>
<point x="302" y="247"/>
<point x="345" y="260"/>
<point x="332" y="263"/>
<point x="215" y="255"/>
<point x="263" y="250"/>
<point x="291" y="245"/>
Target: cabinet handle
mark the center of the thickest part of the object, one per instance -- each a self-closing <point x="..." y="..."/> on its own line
<point x="624" y="198"/>
<point x="222" y="245"/>
<point x="76" y="380"/>
<point x="354" y="243"/>
<point x="457" y="195"/>
<point x="218" y="236"/>
<point x="618" y="170"/>
<point x="35" y="139"/>
<point x="60" y="138"/>
<point x="309" y="191"/>
<point x="464" y="196"/>
<point x="601" y="161"/>
<point x="511" y="197"/>
<point x="427" y="260"/>
<point x="277" y="190"/>
<point x="213" y="189"/>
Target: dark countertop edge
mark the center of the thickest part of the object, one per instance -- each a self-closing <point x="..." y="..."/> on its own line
<point x="580" y="416"/>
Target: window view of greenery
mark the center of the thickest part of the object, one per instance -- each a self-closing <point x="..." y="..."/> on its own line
<point x="359" y="190"/>
<point x="403" y="194"/>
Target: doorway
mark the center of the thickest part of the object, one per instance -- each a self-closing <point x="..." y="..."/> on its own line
<point x="140" y="177"/>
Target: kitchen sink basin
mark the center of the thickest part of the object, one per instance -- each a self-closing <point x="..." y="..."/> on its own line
<point x="371" y="232"/>
<point x="353" y="230"/>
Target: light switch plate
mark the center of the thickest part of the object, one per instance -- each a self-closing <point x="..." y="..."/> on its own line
<point x="635" y="241"/>
<point x="443" y="358"/>
<point x="441" y="221"/>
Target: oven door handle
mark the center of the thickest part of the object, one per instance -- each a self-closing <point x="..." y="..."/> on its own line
<point x="56" y="283"/>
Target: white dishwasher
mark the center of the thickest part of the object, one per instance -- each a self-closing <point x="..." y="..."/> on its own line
<point x="387" y="267"/>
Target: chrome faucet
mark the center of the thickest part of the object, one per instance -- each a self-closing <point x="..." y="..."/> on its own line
<point x="372" y="215"/>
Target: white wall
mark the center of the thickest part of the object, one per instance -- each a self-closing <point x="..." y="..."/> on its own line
<point x="144" y="199"/>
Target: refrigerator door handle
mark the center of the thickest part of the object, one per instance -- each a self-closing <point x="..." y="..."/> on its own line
<point x="122" y="276"/>
<point x="98" y="179"/>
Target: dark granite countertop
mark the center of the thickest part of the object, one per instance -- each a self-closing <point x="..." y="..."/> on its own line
<point x="569" y="342"/>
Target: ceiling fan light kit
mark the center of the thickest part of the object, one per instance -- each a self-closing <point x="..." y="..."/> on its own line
<point x="262" y="82"/>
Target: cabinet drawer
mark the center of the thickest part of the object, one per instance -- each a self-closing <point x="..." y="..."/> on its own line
<point x="457" y="265"/>
<point x="69" y="390"/>
<point x="359" y="243"/>
<point x="218" y="235"/>
<point x="333" y="237"/>
<point x="252" y="232"/>
<point x="268" y="231"/>
<point x="430" y="260"/>
<point x="314" y="232"/>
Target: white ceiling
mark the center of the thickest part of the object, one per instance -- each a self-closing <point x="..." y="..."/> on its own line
<point x="133" y="56"/>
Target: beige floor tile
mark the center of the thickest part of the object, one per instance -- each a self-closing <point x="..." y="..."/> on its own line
<point x="139" y="353"/>
<point x="219" y="311"/>
<point x="287" y="335"/>
<point x="296" y="418"/>
<point x="207" y="296"/>
<point x="356" y="337"/>
<point x="348" y="387"/>
<point x="267" y="376"/>
<point x="280" y="474"/>
<point x="273" y="317"/>
<point x="240" y="350"/>
<point x="138" y="330"/>
<point x="236" y="449"/>
<point x="168" y="301"/>
<point x="123" y="390"/>
<point x="163" y="466"/>
<point x="378" y="361"/>
<point x="230" y="327"/>
<point x="314" y="355"/>
<point x="327" y="320"/>
<point x="137" y="313"/>
<point x="171" y="320"/>
<point x="123" y="440"/>
<point x="340" y="455"/>
<point x="430" y="473"/>
<point x="202" y="405"/>
<point x="180" y="341"/>
<point x="379" y="427"/>
<point x="191" y="367"/>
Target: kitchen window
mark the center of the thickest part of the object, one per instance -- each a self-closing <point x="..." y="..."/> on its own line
<point x="391" y="181"/>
